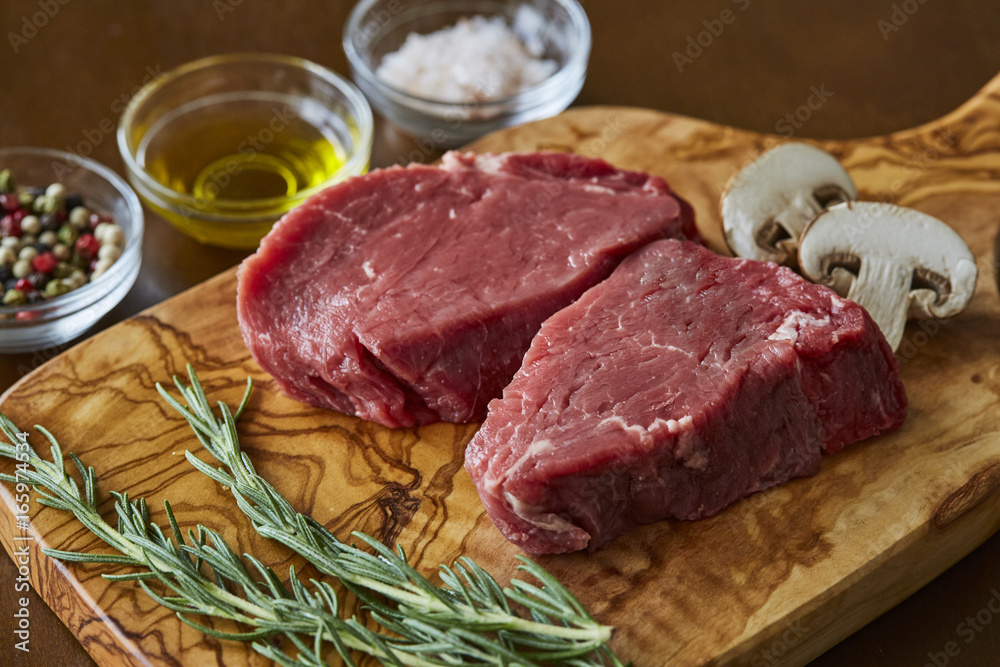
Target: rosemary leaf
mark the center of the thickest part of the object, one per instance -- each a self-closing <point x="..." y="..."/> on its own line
<point x="467" y="620"/>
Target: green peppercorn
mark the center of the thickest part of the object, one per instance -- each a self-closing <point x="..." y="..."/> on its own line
<point x="68" y="234"/>
<point x="55" y="288"/>
<point x="25" y="199"/>
<point x="14" y="297"/>
<point x="6" y="181"/>
<point x="62" y="270"/>
<point x="52" y="203"/>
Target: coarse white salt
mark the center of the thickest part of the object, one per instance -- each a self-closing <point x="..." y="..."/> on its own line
<point x="477" y="59"/>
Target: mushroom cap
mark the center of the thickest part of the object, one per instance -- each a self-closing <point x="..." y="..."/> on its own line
<point x="767" y="205"/>
<point x="842" y="237"/>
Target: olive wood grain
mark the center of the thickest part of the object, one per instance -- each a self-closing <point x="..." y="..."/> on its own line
<point x="775" y="579"/>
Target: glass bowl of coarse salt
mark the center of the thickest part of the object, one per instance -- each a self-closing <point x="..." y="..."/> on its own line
<point x="450" y="71"/>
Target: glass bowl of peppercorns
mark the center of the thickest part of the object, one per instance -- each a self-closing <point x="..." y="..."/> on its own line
<point x="70" y="245"/>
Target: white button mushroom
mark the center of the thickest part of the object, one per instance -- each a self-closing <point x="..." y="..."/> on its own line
<point x="766" y="207"/>
<point x="903" y="263"/>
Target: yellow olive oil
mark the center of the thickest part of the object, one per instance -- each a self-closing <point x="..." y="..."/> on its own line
<point x="250" y="154"/>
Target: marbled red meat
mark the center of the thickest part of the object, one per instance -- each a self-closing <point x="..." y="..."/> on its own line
<point x="409" y="295"/>
<point x="679" y="385"/>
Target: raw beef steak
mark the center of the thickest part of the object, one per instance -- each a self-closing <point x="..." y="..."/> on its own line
<point x="682" y="383"/>
<point x="410" y="295"/>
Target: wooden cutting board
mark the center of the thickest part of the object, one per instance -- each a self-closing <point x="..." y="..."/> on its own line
<point x="776" y="579"/>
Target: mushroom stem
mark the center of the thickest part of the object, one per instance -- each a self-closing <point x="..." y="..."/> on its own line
<point x="766" y="207"/>
<point x="883" y="288"/>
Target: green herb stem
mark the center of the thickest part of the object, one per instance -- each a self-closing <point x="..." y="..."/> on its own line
<point x="469" y="620"/>
<point x="393" y="578"/>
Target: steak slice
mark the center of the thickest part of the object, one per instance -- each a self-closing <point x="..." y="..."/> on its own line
<point x="682" y="383"/>
<point x="409" y="295"/>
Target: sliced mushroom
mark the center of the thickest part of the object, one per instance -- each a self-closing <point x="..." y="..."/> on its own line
<point x="766" y="207"/>
<point x="894" y="261"/>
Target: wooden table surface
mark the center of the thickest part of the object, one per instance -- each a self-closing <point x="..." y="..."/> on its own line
<point x="877" y="66"/>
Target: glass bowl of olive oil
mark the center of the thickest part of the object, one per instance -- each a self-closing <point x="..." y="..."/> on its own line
<point x="224" y="146"/>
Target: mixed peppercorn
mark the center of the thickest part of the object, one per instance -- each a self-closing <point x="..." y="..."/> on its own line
<point x="50" y="242"/>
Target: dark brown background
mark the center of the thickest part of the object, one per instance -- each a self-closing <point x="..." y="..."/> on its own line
<point x="885" y="65"/>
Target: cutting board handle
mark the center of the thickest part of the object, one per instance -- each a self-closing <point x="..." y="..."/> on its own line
<point x="981" y="112"/>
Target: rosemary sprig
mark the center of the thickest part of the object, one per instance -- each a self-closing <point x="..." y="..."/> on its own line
<point x="467" y="621"/>
<point x="267" y="605"/>
<point x="560" y="628"/>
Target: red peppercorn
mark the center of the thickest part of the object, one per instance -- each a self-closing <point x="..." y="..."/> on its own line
<point x="87" y="246"/>
<point x="62" y="214"/>
<point x="19" y="215"/>
<point x="9" y="226"/>
<point x="9" y="202"/>
<point x="44" y="262"/>
<point x="24" y="285"/>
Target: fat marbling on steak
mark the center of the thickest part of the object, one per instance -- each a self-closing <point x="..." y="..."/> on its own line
<point x="409" y="295"/>
<point x="682" y="383"/>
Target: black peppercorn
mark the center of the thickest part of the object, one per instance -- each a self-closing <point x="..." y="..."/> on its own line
<point x="50" y="222"/>
<point x="55" y="252"/>
<point x="73" y="201"/>
<point x="38" y="280"/>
